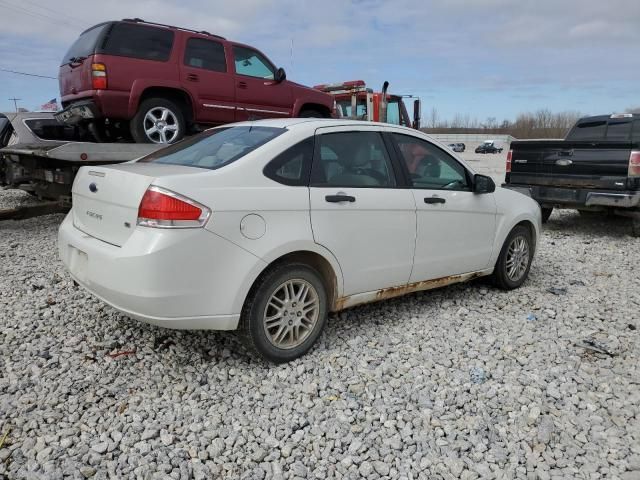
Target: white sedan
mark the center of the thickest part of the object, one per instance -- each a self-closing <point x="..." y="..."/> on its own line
<point x="268" y="226"/>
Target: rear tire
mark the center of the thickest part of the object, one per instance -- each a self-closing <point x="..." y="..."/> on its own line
<point x="285" y="313"/>
<point x="546" y="213"/>
<point x="514" y="262"/>
<point x="158" y="121"/>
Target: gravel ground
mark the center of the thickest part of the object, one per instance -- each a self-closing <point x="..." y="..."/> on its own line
<point x="464" y="382"/>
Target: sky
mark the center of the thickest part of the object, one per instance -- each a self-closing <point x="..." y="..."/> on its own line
<point x="482" y="58"/>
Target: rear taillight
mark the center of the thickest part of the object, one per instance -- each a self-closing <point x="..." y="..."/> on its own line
<point x="634" y="164"/>
<point x="509" y="157"/>
<point x="163" y="208"/>
<point x="98" y="76"/>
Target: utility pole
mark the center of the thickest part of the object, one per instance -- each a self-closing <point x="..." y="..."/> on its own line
<point x="15" y="103"/>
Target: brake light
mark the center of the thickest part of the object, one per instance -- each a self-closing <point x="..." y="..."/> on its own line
<point x="509" y="157"/>
<point x="98" y="76"/>
<point x="634" y="164"/>
<point x="162" y="208"/>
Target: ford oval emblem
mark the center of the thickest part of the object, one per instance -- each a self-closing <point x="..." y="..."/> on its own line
<point x="93" y="187"/>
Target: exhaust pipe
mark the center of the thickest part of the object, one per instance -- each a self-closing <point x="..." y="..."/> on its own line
<point x="383" y="102"/>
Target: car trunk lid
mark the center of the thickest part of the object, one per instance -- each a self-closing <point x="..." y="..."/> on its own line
<point x="106" y="198"/>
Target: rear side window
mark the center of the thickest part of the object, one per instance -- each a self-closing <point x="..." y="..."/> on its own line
<point x="589" y="131"/>
<point x="207" y="54"/>
<point x="215" y="148"/>
<point x="292" y="166"/>
<point x="619" y="131"/>
<point x="138" y="41"/>
<point x="85" y="45"/>
<point x="352" y="159"/>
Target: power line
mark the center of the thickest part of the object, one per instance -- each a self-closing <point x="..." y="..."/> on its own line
<point x="71" y="17"/>
<point x="31" y="13"/>
<point x="15" y="102"/>
<point x="28" y="74"/>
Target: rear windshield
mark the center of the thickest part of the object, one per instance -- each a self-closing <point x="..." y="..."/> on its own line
<point x="85" y="45"/>
<point x="138" y="41"/>
<point x="215" y="148"/>
<point x="51" y="129"/>
<point x="619" y="130"/>
<point x="593" y="130"/>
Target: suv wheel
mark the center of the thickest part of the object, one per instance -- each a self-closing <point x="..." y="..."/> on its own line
<point x="514" y="262"/>
<point x="158" y="121"/>
<point x="285" y="313"/>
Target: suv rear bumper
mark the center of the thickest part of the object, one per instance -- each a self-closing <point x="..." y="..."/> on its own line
<point x="576" y="198"/>
<point x="85" y="110"/>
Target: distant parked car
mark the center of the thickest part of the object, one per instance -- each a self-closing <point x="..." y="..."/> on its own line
<point x="457" y="147"/>
<point x="488" y="146"/>
<point x="157" y="83"/>
<point x="267" y="226"/>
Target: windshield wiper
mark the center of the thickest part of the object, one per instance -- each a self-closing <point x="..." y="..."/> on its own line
<point x="77" y="59"/>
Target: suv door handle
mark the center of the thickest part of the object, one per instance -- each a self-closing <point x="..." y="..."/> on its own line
<point x="242" y="84"/>
<point x="192" y="77"/>
<point x="434" y="200"/>
<point x="339" y="198"/>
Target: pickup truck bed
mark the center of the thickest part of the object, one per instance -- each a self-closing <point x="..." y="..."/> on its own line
<point x="597" y="167"/>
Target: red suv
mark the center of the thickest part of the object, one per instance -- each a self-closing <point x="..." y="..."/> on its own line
<point x="158" y="83"/>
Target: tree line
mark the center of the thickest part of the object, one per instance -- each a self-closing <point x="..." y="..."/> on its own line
<point x="542" y="123"/>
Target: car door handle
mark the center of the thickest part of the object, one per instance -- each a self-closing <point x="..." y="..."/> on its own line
<point x="339" y="198"/>
<point x="192" y="77"/>
<point x="434" y="200"/>
<point x="565" y="153"/>
<point x="242" y="84"/>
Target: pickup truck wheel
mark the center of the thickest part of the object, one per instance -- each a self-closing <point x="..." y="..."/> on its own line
<point x="546" y="213"/>
<point x="311" y="114"/>
<point x="514" y="262"/>
<point x="158" y="121"/>
<point x="285" y="313"/>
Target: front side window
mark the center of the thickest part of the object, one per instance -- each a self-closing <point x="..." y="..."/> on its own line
<point x="207" y="54"/>
<point x="138" y="41"/>
<point x="292" y="166"/>
<point x="430" y="167"/>
<point x="215" y="148"/>
<point x="352" y="159"/>
<point x="252" y="63"/>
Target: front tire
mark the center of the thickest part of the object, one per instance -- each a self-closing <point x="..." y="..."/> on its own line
<point x="285" y="313"/>
<point x="158" y="121"/>
<point x="514" y="262"/>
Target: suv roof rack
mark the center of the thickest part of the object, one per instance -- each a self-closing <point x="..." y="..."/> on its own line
<point x="204" y="32"/>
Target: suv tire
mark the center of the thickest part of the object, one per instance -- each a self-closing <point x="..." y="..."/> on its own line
<point x="517" y="251"/>
<point x="158" y="121"/>
<point x="291" y="297"/>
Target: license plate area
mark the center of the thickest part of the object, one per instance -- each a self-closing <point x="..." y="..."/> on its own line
<point x="558" y="194"/>
<point x="78" y="263"/>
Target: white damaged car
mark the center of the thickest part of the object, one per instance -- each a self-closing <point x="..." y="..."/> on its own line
<point x="268" y="226"/>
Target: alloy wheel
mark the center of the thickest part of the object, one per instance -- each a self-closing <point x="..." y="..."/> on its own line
<point x="161" y="125"/>
<point x="517" y="258"/>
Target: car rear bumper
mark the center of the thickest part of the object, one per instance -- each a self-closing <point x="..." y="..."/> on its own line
<point x="570" y="197"/>
<point x="186" y="279"/>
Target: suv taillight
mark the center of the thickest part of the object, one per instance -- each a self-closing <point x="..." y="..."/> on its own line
<point x="162" y="208"/>
<point x="98" y="76"/>
<point x="509" y="157"/>
<point x="634" y="164"/>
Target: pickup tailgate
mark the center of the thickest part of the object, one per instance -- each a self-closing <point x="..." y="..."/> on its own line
<point x="559" y="163"/>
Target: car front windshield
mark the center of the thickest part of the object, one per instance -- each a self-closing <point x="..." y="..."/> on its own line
<point x="215" y="148"/>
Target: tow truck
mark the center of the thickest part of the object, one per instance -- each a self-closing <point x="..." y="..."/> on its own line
<point x="354" y="100"/>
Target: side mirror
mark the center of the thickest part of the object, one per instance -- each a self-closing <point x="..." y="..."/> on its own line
<point x="483" y="184"/>
<point x="280" y="75"/>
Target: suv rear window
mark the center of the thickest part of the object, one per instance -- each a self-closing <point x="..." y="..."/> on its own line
<point x="85" y="45"/>
<point x="138" y="41"/>
<point x="215" y="148"/>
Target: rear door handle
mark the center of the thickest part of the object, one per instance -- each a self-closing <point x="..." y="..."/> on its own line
<point x="242" y="84"/>
<point x="192" y="77"/>
<point x="434" y="200"/>
<point x="339" y="198"/>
